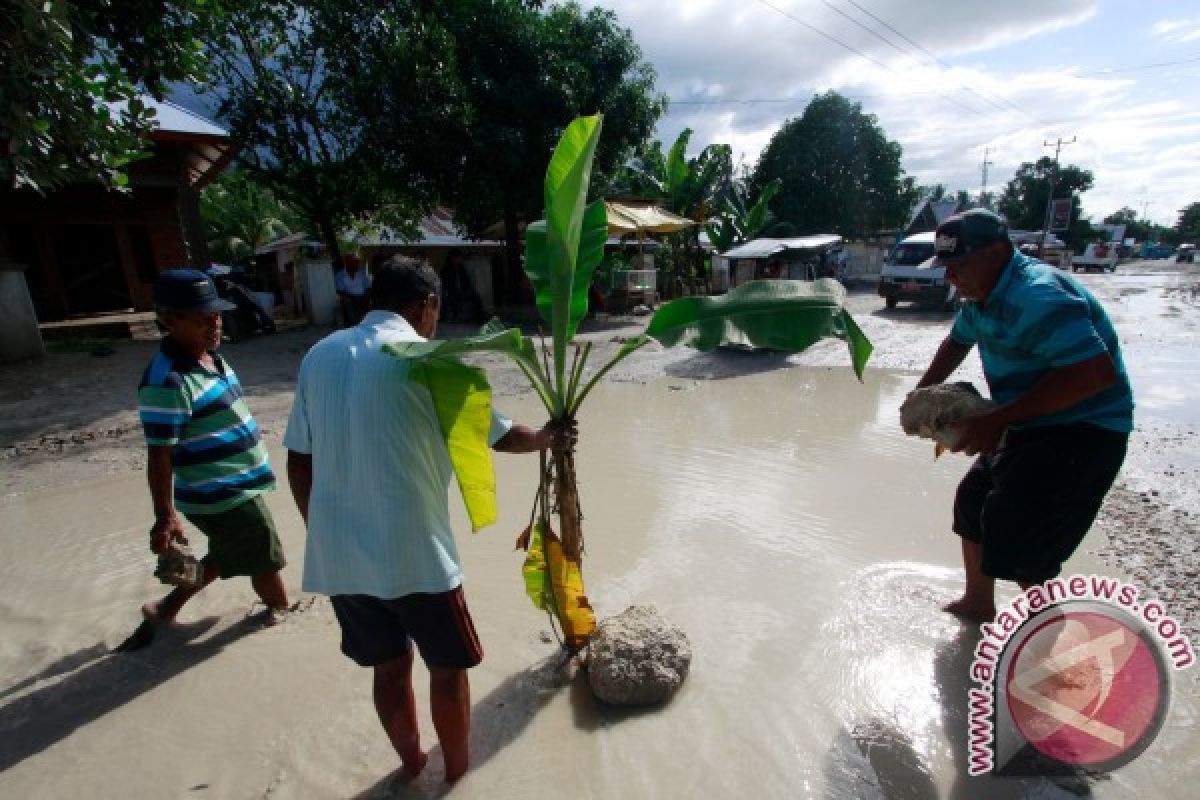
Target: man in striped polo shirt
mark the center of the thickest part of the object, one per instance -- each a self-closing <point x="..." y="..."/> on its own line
<point x="205" y="456"/>
<point x="1051" y="449"/>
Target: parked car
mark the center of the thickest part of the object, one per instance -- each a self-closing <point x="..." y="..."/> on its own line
<point x="1155" y="250"/>
<point x="1098" y="256"/>
<point x="1186" y="254"/>
<point x="909" y="274"/>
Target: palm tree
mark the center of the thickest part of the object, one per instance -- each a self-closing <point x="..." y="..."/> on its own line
<point x="241" y="216"/>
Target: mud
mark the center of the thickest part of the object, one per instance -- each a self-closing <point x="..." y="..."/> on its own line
<point x="782" y="519"/>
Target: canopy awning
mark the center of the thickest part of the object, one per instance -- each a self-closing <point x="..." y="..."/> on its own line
<point x="624" y="218"/>
<point x="765" y="248"/>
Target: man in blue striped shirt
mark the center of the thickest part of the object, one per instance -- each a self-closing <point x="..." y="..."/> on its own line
<point x="205" y="457"/>
<point x="1050" y="450"/>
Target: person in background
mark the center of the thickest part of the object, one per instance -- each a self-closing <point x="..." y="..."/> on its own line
<point x="352" y="284"/>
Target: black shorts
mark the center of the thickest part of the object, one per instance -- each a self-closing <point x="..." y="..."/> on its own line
<point x="1030" y="503"/>
<point x="376" y="631"/>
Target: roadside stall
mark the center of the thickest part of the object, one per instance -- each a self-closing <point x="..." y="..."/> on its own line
<point x="804" y="258"/>
<point x="639" y="285"/>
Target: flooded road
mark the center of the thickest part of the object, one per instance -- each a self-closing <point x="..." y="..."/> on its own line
<point x="781" y="518"/>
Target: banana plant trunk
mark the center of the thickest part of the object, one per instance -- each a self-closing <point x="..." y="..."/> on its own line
<point x="566" y="494"/>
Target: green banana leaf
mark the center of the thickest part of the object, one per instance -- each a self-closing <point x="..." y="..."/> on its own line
<point x="462" y="399"/>
<point x="592" y="236"/>
<point x="566" y="189"/>
<point x="779" y="314"/>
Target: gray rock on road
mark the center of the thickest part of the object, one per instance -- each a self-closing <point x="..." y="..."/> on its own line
<point x="637" y="658"/>
<point x="927" y="412"/>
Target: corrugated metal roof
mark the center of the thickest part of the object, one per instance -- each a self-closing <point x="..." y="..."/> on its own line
<point x="170" y="118"/>
<point x="764" y="248"/>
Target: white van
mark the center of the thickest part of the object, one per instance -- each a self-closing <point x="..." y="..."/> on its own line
<point x="909" y="274"/>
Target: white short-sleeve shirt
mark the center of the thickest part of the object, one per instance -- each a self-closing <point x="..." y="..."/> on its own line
<point x="378" y="518"/>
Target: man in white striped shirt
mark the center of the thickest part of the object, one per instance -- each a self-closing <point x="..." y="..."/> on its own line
<point x="369" y="470"/>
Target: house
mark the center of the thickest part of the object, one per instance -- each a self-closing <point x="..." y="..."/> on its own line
<point x="928" y="213"/>
<point x="88" y="250"/>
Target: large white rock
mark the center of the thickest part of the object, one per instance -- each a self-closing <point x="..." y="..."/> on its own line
<point x="927" y="412"/>
<point x="637" y="658"/>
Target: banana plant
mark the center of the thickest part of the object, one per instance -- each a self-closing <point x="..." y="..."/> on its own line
<point x="562" y="252"/>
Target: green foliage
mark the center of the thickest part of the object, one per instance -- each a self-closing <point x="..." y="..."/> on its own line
<point x="73" y="77"/>
<point x="284" y="73"/>
<point x="741" y="221"/>
<point x="240" y="215"/>
<point x="690" y="187"/>
<point x="471" y="96"/>
<point x="839" y="173"/>
<point x="1025" y="198"/>
<point x="1187" y="229"/>
<point x="780" y="315"/>
<point x="563" y="251"/>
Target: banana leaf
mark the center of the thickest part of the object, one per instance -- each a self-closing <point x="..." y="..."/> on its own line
<point x="555" y="583"/>
<point x="592" y="237"/>
<point x="462" y="399"/>
<point x="779" y="314"/>
<point x="566" y="189"/>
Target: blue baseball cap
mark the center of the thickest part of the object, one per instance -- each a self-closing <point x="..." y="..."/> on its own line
<point x="187" y="290"/>
<point x="965" y="233"/>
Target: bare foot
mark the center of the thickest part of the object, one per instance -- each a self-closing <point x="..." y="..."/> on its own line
<point x="413" y="765"/>
<point x="152" y="612"/>
<point x="970" y="611"/>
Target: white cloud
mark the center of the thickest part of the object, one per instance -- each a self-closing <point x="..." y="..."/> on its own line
<point x="738" y="70"/>
<point x="1177" y="31"/>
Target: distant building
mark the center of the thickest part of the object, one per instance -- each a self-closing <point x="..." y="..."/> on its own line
<point x="89" y="250"/>
<point x="928" y="213"/>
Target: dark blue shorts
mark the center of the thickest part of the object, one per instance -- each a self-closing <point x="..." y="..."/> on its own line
<point x="376" y="631"/>
<point x="1030" y="503"/>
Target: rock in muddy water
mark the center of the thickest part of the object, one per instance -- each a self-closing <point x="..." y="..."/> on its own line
<point x="637" y="658"/>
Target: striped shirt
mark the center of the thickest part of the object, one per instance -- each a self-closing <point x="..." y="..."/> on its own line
<point x="1038" y="318"/>
<point x="378" y="513"/>
<point x="216" y="449"/>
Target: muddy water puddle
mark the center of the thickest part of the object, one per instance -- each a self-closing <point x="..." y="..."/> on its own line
<point x="781" y="519"/>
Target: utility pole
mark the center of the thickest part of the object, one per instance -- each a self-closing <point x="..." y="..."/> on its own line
<point x="1058" y="146"/>
<point x="983" y="198"/>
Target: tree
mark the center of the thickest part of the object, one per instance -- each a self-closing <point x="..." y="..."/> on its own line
<point x="690" y="187"/>
<point x="739" y="219"/>
<point x="1188" y="226"/>
<point x="285" y="82"/>
<point x="513" y="76"/>
<point x="240" y="216"/>
<point x="1025" y="198"/>
<point x="837" y="170"/>
<point x="1141" y="230"/>
<point x="74" y="75"/>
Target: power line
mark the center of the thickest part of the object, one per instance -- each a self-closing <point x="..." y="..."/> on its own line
<point x="1137" y="67"/>
<point x="753" y="100"/>
<point x="854" y="50"/>
<point x="882" y="22"/>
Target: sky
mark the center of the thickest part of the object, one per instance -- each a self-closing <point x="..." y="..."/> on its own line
<point x="949" y="81"/>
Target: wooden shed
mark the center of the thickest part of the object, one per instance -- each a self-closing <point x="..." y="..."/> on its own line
<point x="89" y="250"/>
